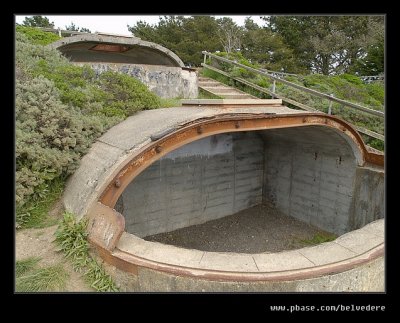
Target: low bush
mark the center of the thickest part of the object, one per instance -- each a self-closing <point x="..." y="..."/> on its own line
<point x="60" y="109"/>
<point x="37" y="36"/>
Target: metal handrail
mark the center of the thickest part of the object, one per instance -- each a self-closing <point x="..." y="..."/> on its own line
<point x="299" y="87"/>
<point x="302" y="106"/>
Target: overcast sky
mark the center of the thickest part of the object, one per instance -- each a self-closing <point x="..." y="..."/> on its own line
<point x="116" y="24"/>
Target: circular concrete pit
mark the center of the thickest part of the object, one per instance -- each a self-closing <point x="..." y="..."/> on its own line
<point x="166" y="169"/>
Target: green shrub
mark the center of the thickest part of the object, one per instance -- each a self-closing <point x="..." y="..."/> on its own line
<point x="352" y="79"/>
<point x="50" y="137"/>
<point x="37" y="36"/>
<point x="377" y="91"/>
<point x="60" y="110"/>
<point x="27" y="56"/>
<point x="111" y="94"/>
<point x="126" y="94"/>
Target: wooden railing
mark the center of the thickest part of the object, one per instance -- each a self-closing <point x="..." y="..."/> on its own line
<point x="272" y="93"/>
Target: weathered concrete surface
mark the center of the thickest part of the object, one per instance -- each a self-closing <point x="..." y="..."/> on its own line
<point x="202" y="181"/>
<point x="81" y="48"/>
<point x="368" y="276"/>
<point x="313" y="176"/>
<point x="105" y="228"/>
<point x="369" y="197"/>
<point x="310" y="175"/>
<point x="165" y="81"/>
<point x="110" y="151"/>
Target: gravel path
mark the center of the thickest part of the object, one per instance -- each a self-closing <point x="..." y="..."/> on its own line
<point x="258" y="229"/>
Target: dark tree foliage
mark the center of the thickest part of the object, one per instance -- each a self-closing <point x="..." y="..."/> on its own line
<point x="333" y="44"/>
<point x="73" y="27"/>
<point x="186" y="37"/>
<point x="38" y="21"/>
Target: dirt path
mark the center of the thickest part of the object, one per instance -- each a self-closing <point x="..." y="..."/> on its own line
<point x="40" y="243"/>
<point x="255" y="230"/>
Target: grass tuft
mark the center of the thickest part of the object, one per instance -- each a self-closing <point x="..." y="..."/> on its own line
<point x="25" y="265"/>
<point x="319" y="238"/>
<point x="71" y="236"/>
<point x="47" y="279"/>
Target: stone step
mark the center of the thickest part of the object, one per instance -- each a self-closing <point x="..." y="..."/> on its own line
<point x="209" y="83"/>
<point x="219" y="89"/>
<point x="222" y="90"/>
<point x="235" y="96"/>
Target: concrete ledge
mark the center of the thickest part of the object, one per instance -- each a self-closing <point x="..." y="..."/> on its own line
<point x="205" y="102"/>
<point x="345" y="252"/>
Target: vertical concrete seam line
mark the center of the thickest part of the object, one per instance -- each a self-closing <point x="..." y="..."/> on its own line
<point x="307" y="258"/>
<point x="202" y="257"/>
<point x="255" y="263"/>
<point x="234" y="173"/>
<point x="108" y="144"/>
<point x="319" y="185"/>
<point x="291" y="183"/>
<point x="351" y="249"/>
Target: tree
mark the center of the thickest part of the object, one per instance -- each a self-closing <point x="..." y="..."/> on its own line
<point x="267" y="48"/>
<point x="325" y="44"/>
<point x="186" y="37"/>
<point x="37" y="21"/>
<point x="73" y="27"/>
<point x="373" y="61"/>
<point x="230" y="35"/>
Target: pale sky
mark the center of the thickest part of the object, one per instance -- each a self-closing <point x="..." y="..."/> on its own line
<point x="116" y="24"/>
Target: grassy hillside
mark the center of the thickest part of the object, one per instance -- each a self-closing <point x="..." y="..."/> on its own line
<point x="347" y="87"/>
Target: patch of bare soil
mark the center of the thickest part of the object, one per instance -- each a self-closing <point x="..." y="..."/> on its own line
<point x="258" y="229"/>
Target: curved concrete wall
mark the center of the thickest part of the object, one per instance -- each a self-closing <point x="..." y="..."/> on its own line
<point x="80" y="48"/>
<point x="127" y="149"/>
<point x="154" y="65"/>
<point x="205" y="180"/>
<point x="165" y="81"/>
<point x="309" y="173"/>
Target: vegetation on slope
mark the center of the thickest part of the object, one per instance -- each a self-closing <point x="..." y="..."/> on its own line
<point x="71" y="236"/>
<point x="31" y="278"/>
<point x="345" y="86"/>
<point x="60" y="110"/>
<point x="36" y="36"/>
